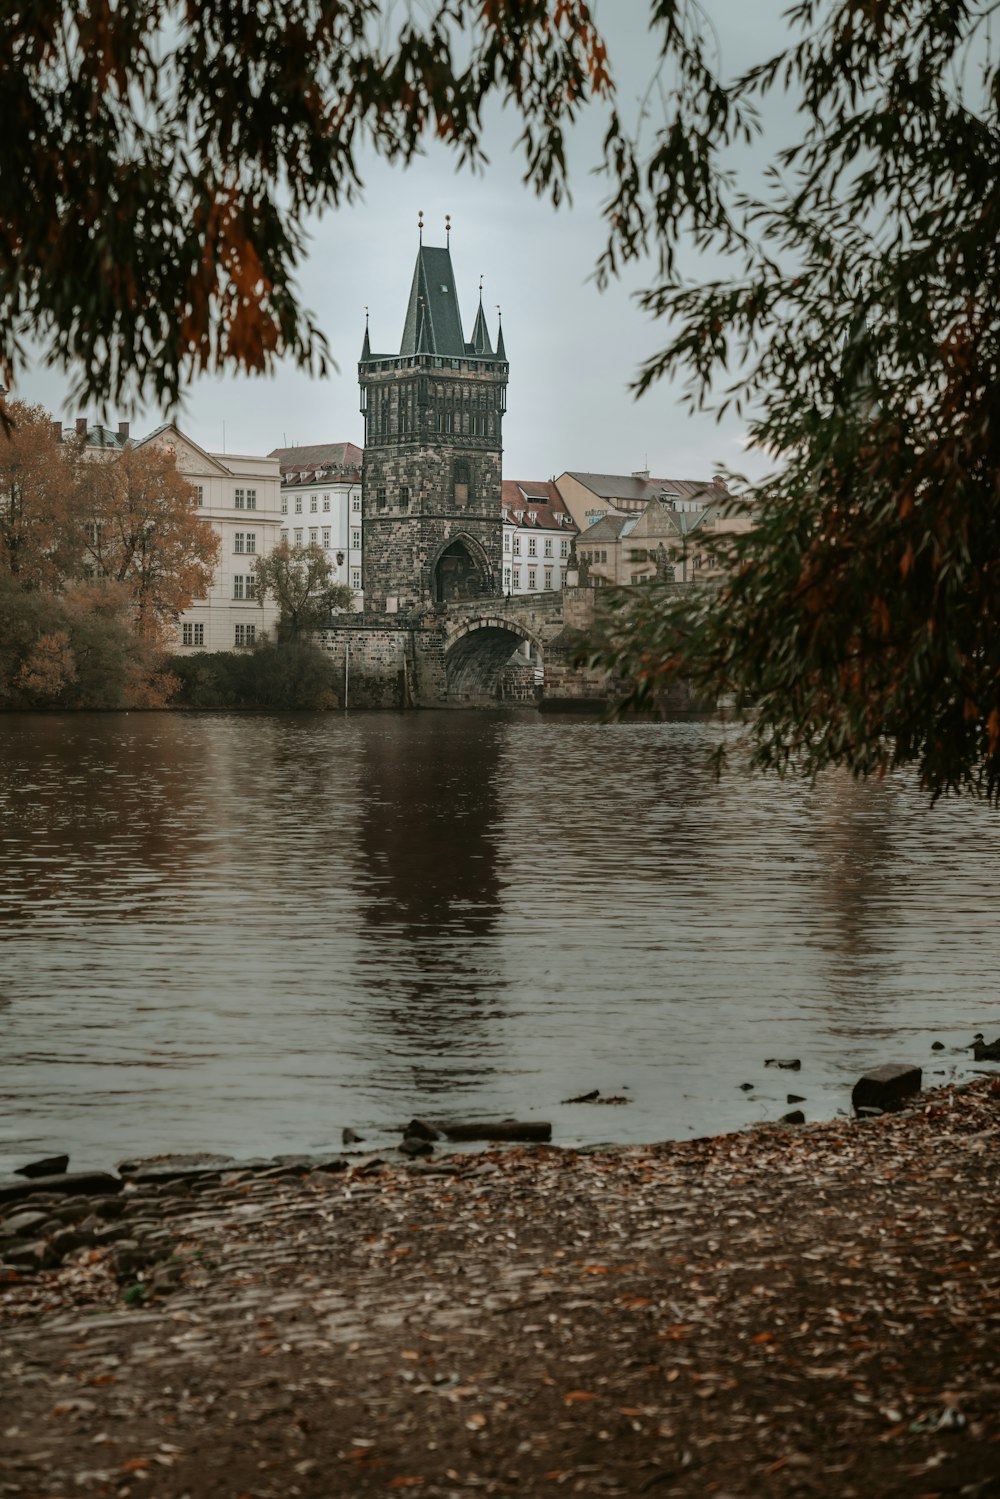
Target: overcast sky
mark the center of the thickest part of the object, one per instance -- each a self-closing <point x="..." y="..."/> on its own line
<point x="573" y="351"/>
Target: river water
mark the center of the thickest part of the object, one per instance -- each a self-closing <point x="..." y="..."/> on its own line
<point x="243" y="933"/>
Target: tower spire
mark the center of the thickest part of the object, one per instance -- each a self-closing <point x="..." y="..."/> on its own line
<point x="481" y="345"/>
<point x="366" y="347"/>
<point x="501" y="351"/>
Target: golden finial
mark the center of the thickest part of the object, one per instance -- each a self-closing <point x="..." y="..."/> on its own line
<point x="420" y="223"/>
<point x="447" y="229"/>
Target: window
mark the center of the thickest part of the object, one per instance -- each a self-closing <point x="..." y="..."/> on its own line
<point x="240" y="543"/>
<point x="284" y="533"/>
<point x="240" y="498"/>
<point x="404" y="497"/>
<point x="251" y="499"/>
<point x="192" y="634"/>
<point x="532" y="547"/>
<point x="313" y="504"/>
<point x="506" y="541"/>
<point x="380" y="498"/>
<point x="238" y="586"/>
<point x="284" y="504"/>
<point x="517" y="546"/>
<point x="298" y="504"/>
<point x="463" y="481"/>
<point x="532" y="575"/>
<point x="246" y="634"/>
<point x="355" y="539"/>
<point x="298" y="536"/>
<point x="326" y="504"/>
<point x="548" y="548"/>
<point x="251" y="541"/>
<point x="564" y="548"/>
<point x="200" y="491"/>
<point x="356" y="502"/>
<point x="355" y="577"/>
<point x="244" y="586"/>
<point x="326" y="537"/>
<point x="517" y="577"/>
<point x="506" y="579"/>
<point x="314" y="536"/>
<point x="548" y="577"/>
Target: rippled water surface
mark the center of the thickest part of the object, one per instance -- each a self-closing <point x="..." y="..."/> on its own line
<point x="243" y="933"/>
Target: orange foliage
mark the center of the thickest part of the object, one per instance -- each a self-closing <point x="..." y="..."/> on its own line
<point x="147" y="534"/>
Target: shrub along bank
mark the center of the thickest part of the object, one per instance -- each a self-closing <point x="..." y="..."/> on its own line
<point x="274" y="675"/>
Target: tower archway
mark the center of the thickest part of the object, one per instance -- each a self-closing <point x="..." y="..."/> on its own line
<point x="461" y="570"/>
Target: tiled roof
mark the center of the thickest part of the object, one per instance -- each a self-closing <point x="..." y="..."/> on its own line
<point x="539" y="499"/>
<point x="634" y="487"/>
<point x="608" y="528"/>
<point x="343" y="459"/>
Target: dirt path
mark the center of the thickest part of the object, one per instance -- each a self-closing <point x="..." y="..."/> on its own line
<point x="788" y="1311"/>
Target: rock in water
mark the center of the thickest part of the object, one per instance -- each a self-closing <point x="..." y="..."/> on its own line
<point x="419" y="1129"/>
<point x="53" y="1165"/>
<point x="886" y="1087"/>
<point x="75" y="1183"/>
<point x="414" y="1145"/>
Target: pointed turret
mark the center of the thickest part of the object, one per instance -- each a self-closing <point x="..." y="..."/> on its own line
<point x="501" y="351"/>
<point x="480" y="344"/>
<point x="366" y="348"/>
<point x="425" y="332"/>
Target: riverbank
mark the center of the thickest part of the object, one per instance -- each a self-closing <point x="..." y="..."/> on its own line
<point x="784" y="1311"/>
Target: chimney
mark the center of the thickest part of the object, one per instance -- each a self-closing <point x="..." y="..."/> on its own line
<point x="56" y="431"/>
<point x="81" y="426"/>
<point x="719" y="480"/>
<point x="123" y="431"/>
<point x="640" y="473"/>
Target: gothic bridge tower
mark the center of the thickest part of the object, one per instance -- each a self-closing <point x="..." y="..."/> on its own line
<point x="433" y="527"/>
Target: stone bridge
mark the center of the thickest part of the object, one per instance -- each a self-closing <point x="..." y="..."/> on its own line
<point x="481" y="635"/>
<point x="451" y="655"/>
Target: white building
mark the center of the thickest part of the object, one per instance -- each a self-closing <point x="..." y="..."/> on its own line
<point x="240" y="496"/>
<point x="538" y="533"/>
<point x="321" y="505"/>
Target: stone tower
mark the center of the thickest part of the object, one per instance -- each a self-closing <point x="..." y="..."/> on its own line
<point x="433" y="526"/>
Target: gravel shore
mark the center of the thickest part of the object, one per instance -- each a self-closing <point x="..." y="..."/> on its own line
<point x="798" y="1310"/>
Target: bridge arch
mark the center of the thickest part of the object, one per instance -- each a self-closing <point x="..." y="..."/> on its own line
<point x="476" y="654"/>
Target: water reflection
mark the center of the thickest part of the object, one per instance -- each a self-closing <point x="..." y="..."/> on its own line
<point x="245" y="932"/>
<point x="428" y="968"/>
